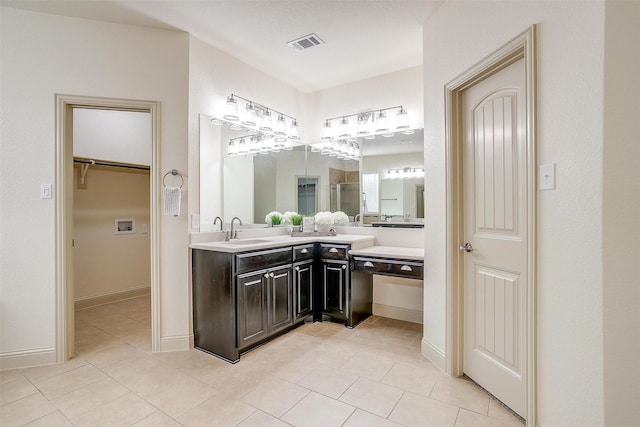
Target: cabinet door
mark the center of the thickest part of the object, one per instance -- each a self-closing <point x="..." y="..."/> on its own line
<point x="303" y="290"/>
<point x="280" y="304"/>
<point x="252" y="305"/>
<point x="335" y="288"/>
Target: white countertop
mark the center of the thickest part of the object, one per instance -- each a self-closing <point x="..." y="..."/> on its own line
<point x="389" y="252"/>
<point x="251" y="244"/>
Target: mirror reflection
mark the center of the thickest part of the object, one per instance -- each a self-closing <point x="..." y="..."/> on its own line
<point x="250" y="186"/>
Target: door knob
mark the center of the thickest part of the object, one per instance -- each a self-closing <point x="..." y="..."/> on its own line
<point x="466" y="247"/>
<point x="344" y="267"/>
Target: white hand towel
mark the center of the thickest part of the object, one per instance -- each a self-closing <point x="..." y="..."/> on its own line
<point x="172" y="196"/>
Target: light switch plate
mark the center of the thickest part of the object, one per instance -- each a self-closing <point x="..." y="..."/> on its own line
<point x="144" y="228"/>
<point x="195" y="222"/>
<point x="46" y="191"/>
<point x="547" y="177"/>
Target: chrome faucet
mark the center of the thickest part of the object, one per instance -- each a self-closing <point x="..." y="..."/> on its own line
<point x="356" y="219"/>
<point x="234" y="234"/>
<point x="216" y="220"/>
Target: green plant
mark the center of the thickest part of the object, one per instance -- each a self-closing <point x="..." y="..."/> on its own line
<point x="296" y="219"/>
<point x="276" y="220"/>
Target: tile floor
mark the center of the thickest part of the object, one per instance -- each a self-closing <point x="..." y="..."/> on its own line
<point x="320" y="374"/>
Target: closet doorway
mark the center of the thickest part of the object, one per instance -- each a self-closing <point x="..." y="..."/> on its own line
<point x="121" y="270"/>
<point x="111" y="215"/>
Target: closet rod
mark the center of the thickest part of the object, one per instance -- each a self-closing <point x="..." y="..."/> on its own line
<point x="117" y="165"/>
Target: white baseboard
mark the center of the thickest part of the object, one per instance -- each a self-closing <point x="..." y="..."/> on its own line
<point x="176" y="343"/>
<point x="107" y="297"/>
<point x="399" y="313"/>
<point x="27" y="358"/>
<point x="434" y="354"/>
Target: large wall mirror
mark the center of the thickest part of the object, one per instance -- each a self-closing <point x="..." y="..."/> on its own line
<point x="250" y="186"/>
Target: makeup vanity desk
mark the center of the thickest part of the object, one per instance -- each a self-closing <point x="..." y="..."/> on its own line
<point x="389" y="261"/>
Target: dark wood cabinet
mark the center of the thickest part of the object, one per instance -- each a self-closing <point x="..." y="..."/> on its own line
<point x="346" y="296"/>
<point x="335" y="288"/>
<point x="280" y="299"/>
<point x="303" y="281"/>
<point x="252" y="308"/>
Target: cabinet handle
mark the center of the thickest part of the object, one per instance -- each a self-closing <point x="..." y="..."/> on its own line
<point x="333" y="250"/>
<point x="304" y="251"/>
<point x="368" y="264"/>
<point x="271" y="274"/>
<point x="344" y="267"/>
<point x="297" y="268"/>
<point x="406" y="268"/>
<point x="266" y="275"/>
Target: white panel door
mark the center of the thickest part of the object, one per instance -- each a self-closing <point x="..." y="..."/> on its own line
<point x="494" y="211"/>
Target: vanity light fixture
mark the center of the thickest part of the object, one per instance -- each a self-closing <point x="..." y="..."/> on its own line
<point x="350" y="128"/>
<point x="268" y="129"/>
<point x="405" y="173"/>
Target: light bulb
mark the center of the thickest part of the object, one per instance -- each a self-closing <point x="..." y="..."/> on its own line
<point x="231" y="109"/>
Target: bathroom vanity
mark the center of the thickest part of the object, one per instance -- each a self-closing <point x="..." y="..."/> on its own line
<point x="246" y="292"/>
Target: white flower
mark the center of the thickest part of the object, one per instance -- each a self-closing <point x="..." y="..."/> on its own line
<point x="273" y="218"/>
<point x="324" y="218"/>
<point x="286" y="217"/>
<point x="340" y="218"/>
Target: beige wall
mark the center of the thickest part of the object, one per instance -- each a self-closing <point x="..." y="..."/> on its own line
<point x="569" y="219"/>
<point x="621" y="215"/>
<point x="44" y="55"/>
<point x="104" y="262"/>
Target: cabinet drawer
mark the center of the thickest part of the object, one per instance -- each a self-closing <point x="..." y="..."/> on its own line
<point x="262" y="259"/>
<point x="329" y="251"/>
<point x="303" y="252"/>
<point x="388" y="267"/>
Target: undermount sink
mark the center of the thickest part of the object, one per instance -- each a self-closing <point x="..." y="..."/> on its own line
<point x="244" y="242"/>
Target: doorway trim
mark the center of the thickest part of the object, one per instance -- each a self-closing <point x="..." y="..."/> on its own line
<point x="65" y="318"/>
<point x="521" y="47"/>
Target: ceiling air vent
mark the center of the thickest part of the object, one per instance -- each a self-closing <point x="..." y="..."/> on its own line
<point x="306" y="42"/>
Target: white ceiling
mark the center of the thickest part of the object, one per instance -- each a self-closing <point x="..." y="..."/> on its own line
<point x="364" y="38"/>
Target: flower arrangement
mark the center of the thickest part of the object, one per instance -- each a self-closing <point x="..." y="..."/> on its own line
<point x="273" y="218"/>
<point x="340" y="218"/>
<point x="324" y="218"/>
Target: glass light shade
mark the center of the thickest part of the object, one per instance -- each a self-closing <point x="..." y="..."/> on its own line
<point x="242" y="147"/>
<point x="280" y="126"/>
<point x="288" y="144"/>
<point x="293" y="130"/>
<point x="232" y="149"/>
<point x="231" y="110"/>
<point x="267" y="145"/>
<point x="254" y="145"/>
<point x="402" y="119"/>
<point x="236" y="126"/>
<point x="217" y="122"/>
<point x="408" y="132"/>
<point x="388" y="134"/>
<point x="381" y="122"/>
<point x="266" y="122"/>
<point x="369" y="137"/>
<point x="363" y="127"/>
<point x="343" y="128"/>
<point x="327" y="134"/>
<point x="249" y="118"/>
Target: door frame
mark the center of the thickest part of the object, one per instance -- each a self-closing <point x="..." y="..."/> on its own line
<point x="64" y="292"/>
<point x="523" y="47"/>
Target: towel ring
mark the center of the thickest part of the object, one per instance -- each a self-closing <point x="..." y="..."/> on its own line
<point x="174" y="173"/>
